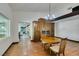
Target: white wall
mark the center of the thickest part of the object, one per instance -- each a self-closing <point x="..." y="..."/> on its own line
<point x="65" y="9"/>
<point x="29" y="17"/>
<point x="5" y="43"/>
<point x="68" y="27"/>
<point x="14" y="29"/>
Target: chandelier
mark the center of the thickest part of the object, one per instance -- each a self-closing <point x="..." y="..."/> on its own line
<point x="50" y="16"/>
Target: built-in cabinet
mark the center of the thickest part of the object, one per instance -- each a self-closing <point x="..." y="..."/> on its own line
<point x="42" y="28"/>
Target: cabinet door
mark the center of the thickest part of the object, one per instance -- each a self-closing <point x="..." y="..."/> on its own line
<point x="36" y="32"/>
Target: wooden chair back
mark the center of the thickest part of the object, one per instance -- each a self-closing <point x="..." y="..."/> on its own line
<point x="62" y="45"/>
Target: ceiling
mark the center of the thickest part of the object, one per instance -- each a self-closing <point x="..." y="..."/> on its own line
<point x="40" y="7"/>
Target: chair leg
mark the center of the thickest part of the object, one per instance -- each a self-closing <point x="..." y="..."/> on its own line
<point x="63" y="54"/>
<point x="58" y="54"/>
<point x="43" y="45"/>
<point x="50" y="52"/>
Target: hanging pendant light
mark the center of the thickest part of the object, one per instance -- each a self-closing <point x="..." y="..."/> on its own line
<point x="50" y="16"/>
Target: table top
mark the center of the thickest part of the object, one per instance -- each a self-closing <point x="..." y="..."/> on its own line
<point x="50" y="40"/>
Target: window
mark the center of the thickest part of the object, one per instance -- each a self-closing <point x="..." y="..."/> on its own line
<point x="4" y="26"/>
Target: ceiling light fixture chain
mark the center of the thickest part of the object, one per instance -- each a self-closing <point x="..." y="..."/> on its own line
<point x="50" y="15"/>
<point x="49" y="11"/>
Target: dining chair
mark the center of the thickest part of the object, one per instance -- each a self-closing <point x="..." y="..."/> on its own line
<point x="59" y="49"/>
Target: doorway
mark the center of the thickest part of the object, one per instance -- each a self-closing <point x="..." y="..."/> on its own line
<point x="24" y="30"/>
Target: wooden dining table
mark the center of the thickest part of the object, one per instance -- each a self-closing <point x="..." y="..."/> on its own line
<point x="46" y="40"/>
<point x="50" y="40"/>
